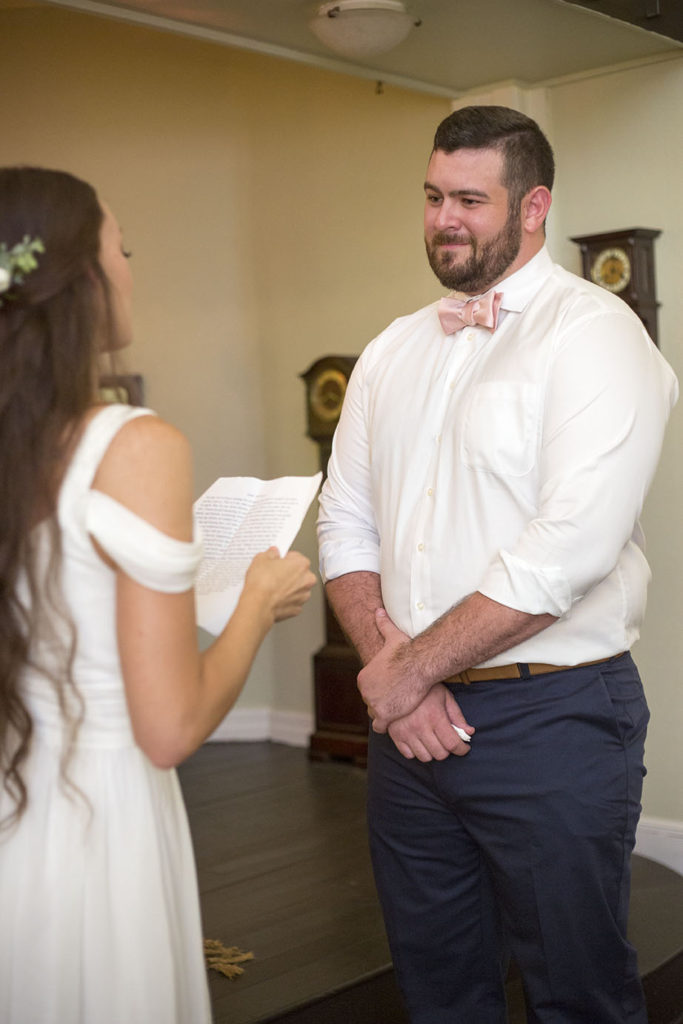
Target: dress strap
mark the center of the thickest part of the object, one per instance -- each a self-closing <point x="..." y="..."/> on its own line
<point x="143" y="552"/>
<point x="96" y="438"/>
<point x="147" y="555"/>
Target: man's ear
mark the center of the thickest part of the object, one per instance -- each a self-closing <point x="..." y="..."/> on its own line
<point x="535" y="206"/>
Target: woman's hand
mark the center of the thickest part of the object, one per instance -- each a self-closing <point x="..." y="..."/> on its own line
<point x="286" y="581"/>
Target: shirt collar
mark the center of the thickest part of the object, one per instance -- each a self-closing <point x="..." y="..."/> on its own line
<point x="519" y="288"/>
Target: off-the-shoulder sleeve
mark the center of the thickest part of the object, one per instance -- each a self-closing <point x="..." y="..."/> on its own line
<point x="147" y="555"/>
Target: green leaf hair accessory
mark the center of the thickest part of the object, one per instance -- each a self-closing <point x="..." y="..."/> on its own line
<point x="17" y="262"/>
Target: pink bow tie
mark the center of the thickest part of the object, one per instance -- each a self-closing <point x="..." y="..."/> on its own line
<point x="455" y="314"/>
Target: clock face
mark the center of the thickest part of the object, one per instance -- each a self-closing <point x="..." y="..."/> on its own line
<point x="611" y="269"/>
<point x="327" y="394"/>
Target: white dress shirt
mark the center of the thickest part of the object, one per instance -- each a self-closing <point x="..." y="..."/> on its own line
<point x="514" y="463"/>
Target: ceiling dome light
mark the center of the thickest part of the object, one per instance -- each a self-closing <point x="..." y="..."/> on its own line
<point x="362" y="28"/>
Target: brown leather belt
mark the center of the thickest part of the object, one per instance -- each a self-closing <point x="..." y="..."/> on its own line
<point x="521" y="670"/>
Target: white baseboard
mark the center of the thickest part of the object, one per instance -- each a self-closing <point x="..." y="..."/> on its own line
<point x="291" y="727"/>
<point x="256" y="724"/>
<point x="661" y="839"/>
<point x="244" y="724"/>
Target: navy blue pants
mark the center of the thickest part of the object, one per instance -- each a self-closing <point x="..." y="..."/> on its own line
<point x="520" y="848"/>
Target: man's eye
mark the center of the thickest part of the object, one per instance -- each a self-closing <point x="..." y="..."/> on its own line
<point x="127" y="253"/>
<point x="433" y="199"/>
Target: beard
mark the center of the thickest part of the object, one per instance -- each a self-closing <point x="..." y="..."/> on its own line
<point x="486" y="263"/>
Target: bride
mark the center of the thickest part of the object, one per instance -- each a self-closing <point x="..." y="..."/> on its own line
<point x="102" y="688"/>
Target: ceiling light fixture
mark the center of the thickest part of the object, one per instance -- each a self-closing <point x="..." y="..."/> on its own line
<point x="362" y="28"/>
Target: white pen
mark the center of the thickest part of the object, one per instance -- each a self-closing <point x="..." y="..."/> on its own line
<point x="461" y="733"/>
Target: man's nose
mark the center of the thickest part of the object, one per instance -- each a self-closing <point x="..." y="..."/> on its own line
<point x="448" y="218"/>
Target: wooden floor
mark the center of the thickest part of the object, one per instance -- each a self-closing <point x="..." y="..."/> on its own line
<point x="283" y="868"/>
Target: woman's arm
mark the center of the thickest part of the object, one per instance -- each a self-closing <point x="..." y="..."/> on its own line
<point x="177" y="695"/>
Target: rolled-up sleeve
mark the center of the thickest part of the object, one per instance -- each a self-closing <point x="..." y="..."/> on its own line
<point x="347" y="532"/>
<point x="607" y="400"/>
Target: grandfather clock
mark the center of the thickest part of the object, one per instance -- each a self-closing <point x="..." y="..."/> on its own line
<point x="623" y="262"/>
<point x="341" y="718"/>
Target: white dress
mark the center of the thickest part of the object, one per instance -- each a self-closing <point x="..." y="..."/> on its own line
<point x="99" y="908"/>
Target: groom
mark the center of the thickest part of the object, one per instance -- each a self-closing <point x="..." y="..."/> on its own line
<point x="480" y="544"/>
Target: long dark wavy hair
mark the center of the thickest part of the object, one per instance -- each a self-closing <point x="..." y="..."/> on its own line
<point x="52" y="327"/>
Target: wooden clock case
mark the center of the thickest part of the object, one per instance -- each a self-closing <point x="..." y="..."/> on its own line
<point x="639" y="289"/>
<point x="341" y="717"/>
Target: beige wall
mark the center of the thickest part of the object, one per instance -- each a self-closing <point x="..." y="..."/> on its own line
<point x="274" y="213"/>
<point x="275" y="216"/>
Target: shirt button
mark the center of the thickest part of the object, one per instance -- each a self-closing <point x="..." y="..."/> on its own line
<point x="438" y="438"/>
<point x="420" y="547"/>
<point x="430" y="491"/>
<point x="420" y="605"/>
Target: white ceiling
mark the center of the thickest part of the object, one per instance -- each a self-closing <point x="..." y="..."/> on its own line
<point x="461" y="44"/>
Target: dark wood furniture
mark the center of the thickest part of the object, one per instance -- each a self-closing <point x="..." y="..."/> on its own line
<point x="341" y="719"/>
<point x="624" y="263"/>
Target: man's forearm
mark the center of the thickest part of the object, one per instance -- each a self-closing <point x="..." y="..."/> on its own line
<point x="354" y="599"/>
<point x="397" y="680"/>
<point x="474" y="631"/>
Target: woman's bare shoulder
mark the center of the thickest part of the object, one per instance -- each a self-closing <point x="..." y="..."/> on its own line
<point x="148" y="468"/>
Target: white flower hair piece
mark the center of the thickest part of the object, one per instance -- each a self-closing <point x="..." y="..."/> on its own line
<point x="17" y="262"/>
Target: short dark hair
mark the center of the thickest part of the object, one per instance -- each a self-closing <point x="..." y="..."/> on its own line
<point x="527" y="154"/>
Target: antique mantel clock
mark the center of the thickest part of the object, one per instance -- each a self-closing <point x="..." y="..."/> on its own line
<point x="341" y="718"/>
<point x="623" y="263"/>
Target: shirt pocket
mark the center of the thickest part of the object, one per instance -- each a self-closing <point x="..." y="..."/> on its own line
<point x="499" y="429"/>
